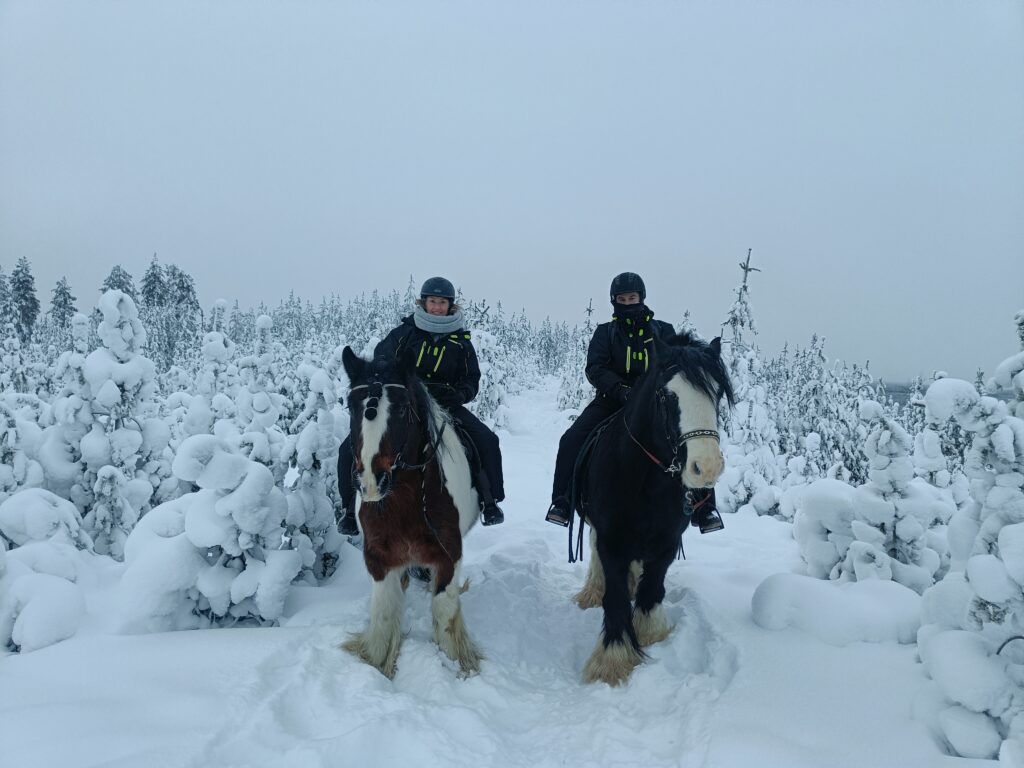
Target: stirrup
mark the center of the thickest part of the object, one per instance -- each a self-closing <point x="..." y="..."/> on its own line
<point x="557" y="515"/>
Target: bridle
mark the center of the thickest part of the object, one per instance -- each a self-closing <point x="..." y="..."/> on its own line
<point x="673" y="468"/>
<point x="376" y="391"/>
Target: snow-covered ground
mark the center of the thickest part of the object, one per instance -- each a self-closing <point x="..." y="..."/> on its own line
<point x="723" y="690"/>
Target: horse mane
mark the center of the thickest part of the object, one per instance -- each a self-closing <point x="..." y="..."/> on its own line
<point x="701" y="364"/>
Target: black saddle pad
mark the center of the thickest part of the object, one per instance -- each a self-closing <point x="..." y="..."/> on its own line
<point x="577" y="496"/>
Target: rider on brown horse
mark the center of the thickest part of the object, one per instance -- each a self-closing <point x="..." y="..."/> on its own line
<point x="434" y="335"/>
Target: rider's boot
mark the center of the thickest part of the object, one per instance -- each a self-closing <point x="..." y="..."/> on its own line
<point x="700" y="505"/>
<point x="347" y="523"/>
<point x="490" y="512"/>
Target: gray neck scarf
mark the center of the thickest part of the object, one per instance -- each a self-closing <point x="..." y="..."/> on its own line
<point x="438" y="325"/>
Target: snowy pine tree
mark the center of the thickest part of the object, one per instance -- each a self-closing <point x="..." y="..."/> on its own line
<point x="24" y="302"/>
<point x="119" y="279"/>
<point x="121" y="382"/>
<point x="62" y="309"/>
<point x="6" y="309"/>
<point x="752" y="474"/>
<point x="977" y="612"/>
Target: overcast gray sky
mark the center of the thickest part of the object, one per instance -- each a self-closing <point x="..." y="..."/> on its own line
<point x="871" y="153"/>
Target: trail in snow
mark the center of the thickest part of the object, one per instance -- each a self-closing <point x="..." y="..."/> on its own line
<point x="308" y="703"/>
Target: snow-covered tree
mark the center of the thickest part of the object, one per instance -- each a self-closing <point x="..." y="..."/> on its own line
<point x="311" y="452"/>
<point x="17" y="468"/>
<point x="121" y="382"/>
<point x="119" y="279"/>
<point x="62" y="309"/>
<point x="574" y="391"/>
<point x="217" y="556"/>
<point x="752" y="476"/>
<point x="24" y="302"/>
<point x="6" y="310"/>
<point x="895" y="513"/>
<point x="973" y="619"/>
<point x="14" y="373"/>
<point x="41" y="602"/>
<point x="154" y="285"/>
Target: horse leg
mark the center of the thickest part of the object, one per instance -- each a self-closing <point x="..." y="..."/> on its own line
<point x="649" y="619"/>
<point x="617" y="651"/>
<point x="593" y="588"/>
<point x="379" y="644"/>
<point x="636" y="570"/>
<point x="449" y="627"/>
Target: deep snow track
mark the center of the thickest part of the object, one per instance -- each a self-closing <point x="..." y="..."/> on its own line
<point x="308" y="704"/>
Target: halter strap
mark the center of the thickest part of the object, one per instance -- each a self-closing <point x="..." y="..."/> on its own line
<point x="700" y="433"/>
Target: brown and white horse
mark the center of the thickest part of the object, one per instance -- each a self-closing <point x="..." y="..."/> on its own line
<point x="664" y="442"/>
<point x="417" y="504"/>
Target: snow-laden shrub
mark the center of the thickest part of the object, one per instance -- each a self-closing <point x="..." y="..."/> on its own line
<point x="216" y="556"/>
<point x="973" y="619"/>
<point x="888" y="528"/>
<point x="18" y="469"/>
<point x="121" y="383"/>
<point x="311" y="452"/>
<point x="40" y="601"/>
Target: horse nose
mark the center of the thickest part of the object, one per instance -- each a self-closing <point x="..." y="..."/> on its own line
<point x="383" y="482"/>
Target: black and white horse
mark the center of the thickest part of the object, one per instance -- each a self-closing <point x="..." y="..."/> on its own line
<point x="664" y="442"/>
<point x="417" y="504"/>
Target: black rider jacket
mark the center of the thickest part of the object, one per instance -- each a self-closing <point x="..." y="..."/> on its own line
<point x="444" y="359"/>
<point x="619" y="353"/>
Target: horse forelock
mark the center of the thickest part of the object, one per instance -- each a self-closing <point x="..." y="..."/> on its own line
<point x="700" y="366"/>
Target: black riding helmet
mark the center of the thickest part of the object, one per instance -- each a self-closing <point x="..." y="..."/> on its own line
<point x="438" y="286"/>
<point x="628" y="282"/>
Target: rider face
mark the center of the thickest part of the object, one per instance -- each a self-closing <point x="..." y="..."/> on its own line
<point x="627" y="298"/>
<point x="437" y="305"/>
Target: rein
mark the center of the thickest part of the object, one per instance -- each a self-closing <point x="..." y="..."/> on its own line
<point x="674" y="469"/>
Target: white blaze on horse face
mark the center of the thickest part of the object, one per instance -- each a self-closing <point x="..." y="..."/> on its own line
<point x="373" y="434"/>
<point x="704" y="462"/>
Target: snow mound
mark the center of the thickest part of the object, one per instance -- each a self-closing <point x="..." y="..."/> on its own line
<point x="838" y="613"/>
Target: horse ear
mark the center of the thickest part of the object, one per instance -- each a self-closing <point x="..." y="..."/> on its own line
<point x="716" y="346"/>
<point x="355" y="366"/>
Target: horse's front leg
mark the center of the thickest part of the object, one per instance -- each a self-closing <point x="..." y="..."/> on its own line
<point x="617" y="651"/>
<point x="449" y="627"/>
<point x="649" y="619"/>
<point x="593" y="588"/>
<point x="380" y="643"/>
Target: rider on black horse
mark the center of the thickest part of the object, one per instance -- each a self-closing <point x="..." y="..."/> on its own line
<point x="618" y="355"/>
<point x="446" y="363"/>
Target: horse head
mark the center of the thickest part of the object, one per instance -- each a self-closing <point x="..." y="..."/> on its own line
<point x="691" y="380"/>
<point x="385" y="402"/>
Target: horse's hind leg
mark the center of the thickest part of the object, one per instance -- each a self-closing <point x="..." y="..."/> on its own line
<point x="449" y="627"/>
<point x="649" y="619"/>
<point x="593" y="588"/>
<point x="617" y="651"/>
<point x="379" y="644"/>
